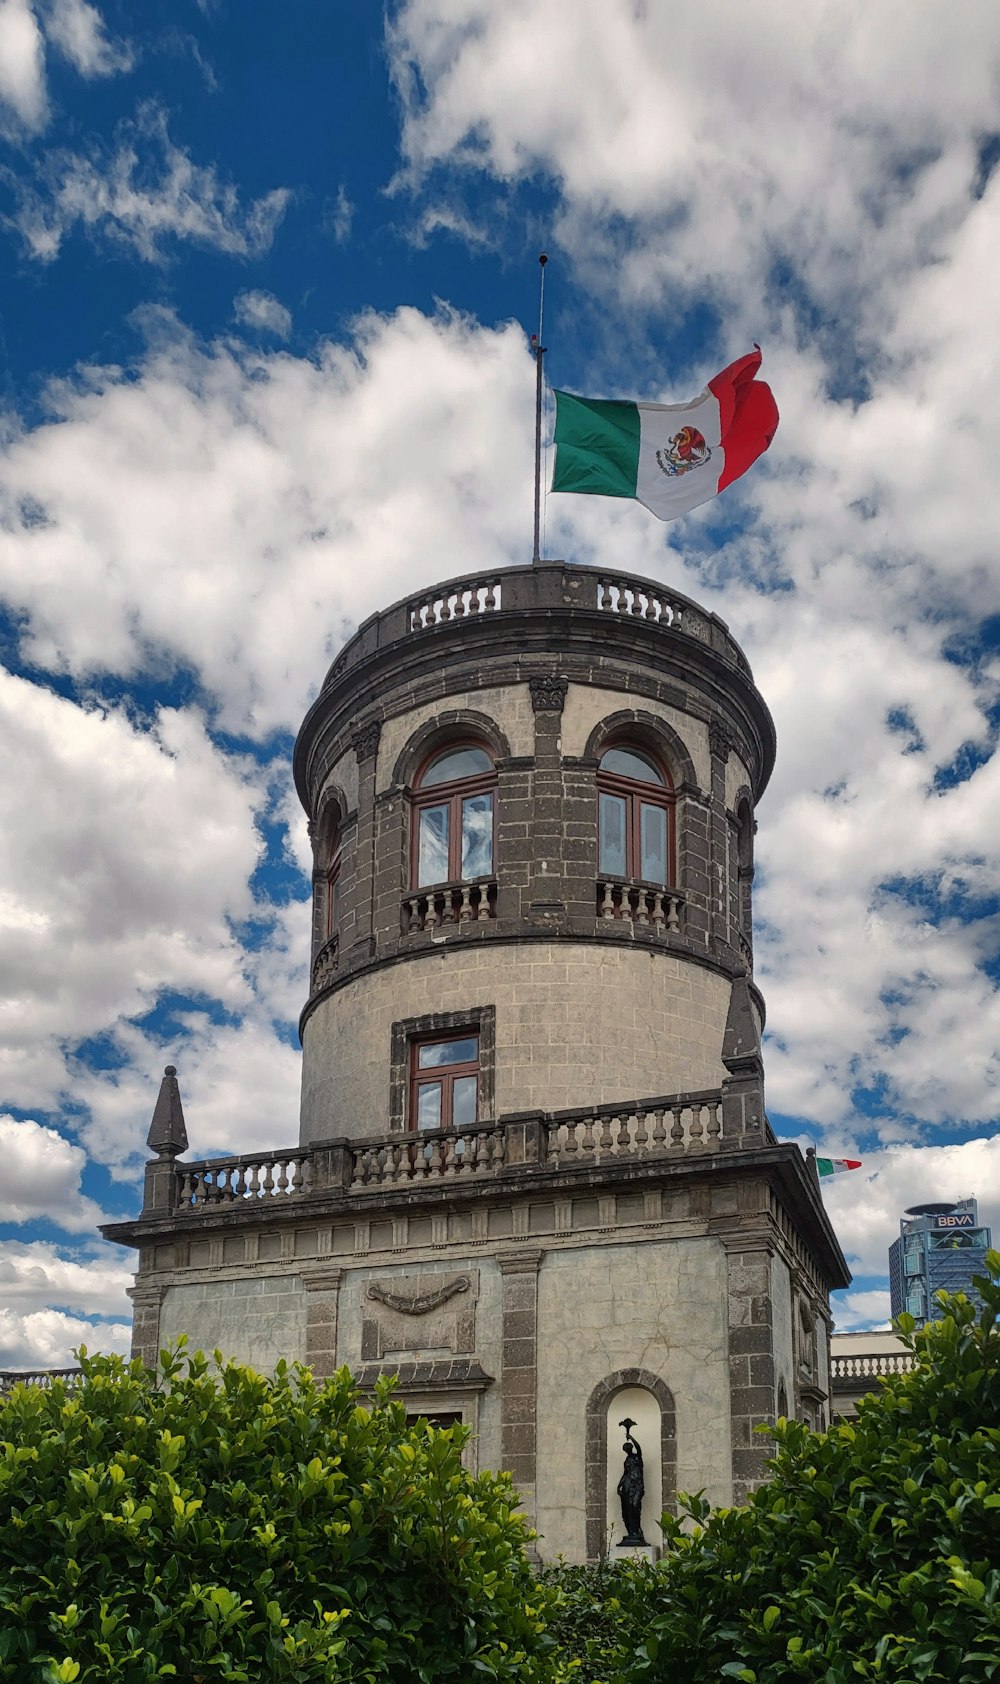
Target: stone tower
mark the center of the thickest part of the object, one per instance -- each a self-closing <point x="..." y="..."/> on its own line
<point x="534" y="1175"/>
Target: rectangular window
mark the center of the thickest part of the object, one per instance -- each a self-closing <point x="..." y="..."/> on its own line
<point x="477" y="835"/>
<point x="652" y="843"/>
<point x="444" y="1083"/>
<point x="432" y="853"/>
<point x="612" y="835"/>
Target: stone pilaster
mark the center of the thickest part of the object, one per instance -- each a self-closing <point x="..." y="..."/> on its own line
<point x="751" y="1362"/>
<point x="546" y="904"/>
<point x="519" y="1371"/>
<point x="720" y="742"/>
<point x="364" y="741"/>
<point x="147" y="1299"/>
<point x="322" y="1303"/>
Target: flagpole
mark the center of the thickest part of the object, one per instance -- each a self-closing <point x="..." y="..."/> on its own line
<point x="539" y="354"/>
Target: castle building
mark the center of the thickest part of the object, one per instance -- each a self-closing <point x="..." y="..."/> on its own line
<point x="940" y="1248"/>
<point x="534" y="1176"/>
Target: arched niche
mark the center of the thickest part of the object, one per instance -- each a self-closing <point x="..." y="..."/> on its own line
<point x="649" y="1401"/>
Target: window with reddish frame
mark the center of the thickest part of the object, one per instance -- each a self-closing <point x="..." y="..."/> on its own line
<point x="444" y="1082"/>
<point x="635" y="816"/>
<point x="454" y="816"/>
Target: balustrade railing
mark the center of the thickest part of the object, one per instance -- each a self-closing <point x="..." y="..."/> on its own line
<point x="644" y="904"/>
<point x="42" y="1377"/>
<point x="324" y="967"/>
<point x="678" y="1125"/>
<point x="870" y="1367"/>
<point x="450" y="903"/>
<point x="458" y="601"/>
<point x="617" y="594"/>
<point x="264" y="1175"/>
<point x="656" y="1127"/>
<point x="432" y="1154"/>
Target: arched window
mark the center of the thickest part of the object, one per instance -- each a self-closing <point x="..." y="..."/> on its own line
<point x="453" y="816"/>
<point x="635" y="816"/>
<point x="333" y="889"/>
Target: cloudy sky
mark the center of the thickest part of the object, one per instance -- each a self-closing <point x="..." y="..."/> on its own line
<point x="268" y="275"/>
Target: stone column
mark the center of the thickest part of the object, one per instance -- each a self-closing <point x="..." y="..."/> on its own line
<point x="548" y="696"/>
<point x="751" y="1361"/>
<point x="693" y="862"/>
<point x="519" y="1372"/>
<point x="322" y="1303"/>
<point x="364" y="741"/>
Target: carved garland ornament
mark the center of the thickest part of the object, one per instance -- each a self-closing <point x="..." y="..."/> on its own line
<point x="417" y="1304"/>
<point x="364" y="738"/>
<point x="548" y="693"/>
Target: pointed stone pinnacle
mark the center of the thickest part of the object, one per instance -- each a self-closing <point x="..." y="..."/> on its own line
<point x="167" y="1135"/>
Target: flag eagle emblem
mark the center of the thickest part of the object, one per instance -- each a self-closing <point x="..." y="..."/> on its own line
<point x="686" y="450"/>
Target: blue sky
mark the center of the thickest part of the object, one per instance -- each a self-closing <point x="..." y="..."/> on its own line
<point x="268" y="276"/>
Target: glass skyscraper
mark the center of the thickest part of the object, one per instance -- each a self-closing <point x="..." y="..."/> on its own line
<point x="940" y="1246"/>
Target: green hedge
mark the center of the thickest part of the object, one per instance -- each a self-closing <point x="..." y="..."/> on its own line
<point x="216" y="1525"/>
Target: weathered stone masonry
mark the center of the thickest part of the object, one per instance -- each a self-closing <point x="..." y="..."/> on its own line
<point x="618" y="1221"/>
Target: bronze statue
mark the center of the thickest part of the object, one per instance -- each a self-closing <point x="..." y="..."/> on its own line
<point x="631" y="1487"/>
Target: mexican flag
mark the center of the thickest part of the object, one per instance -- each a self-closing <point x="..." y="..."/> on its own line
<point x="669" y="456"/>
<point x="833" y="1166"/>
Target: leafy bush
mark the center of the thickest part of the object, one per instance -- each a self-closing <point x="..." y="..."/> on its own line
<point x="211" y="1524"/>
<point x="602" y="1613"/>
<point x="873" y="1552"/>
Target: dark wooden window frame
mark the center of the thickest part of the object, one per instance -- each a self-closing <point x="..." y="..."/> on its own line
<point x="438" y="1026"/>
<point x="445" y="1074"/>
<point x="451" y="795"/>
<point x="635" y="794"/>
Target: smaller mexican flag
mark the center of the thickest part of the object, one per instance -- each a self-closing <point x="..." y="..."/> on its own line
<point x="669" y="456"/>
<point x="833" y="1166"/>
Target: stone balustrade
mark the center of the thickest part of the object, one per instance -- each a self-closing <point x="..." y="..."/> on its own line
<point x="253" y="1176"/>
<point x="324" y="966"/>
<point x="551" y="587"/>
<point x="871" y="1366"/>
<point x="655" y="1127"/>
<point x="456" y="601"/>
<point x="674" y="1126"/>
<point x="43" y="1377"/>
<point x="431" y="1155"/>
<point x="646" y="905"/>
<point x="450" y="903"/>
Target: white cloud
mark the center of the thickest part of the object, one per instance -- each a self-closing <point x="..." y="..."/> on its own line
<point x="22" y="64"/>
<point x="145" y="194"/>
<point x="50" y="1339"/>
<point x="124" y="854"/>
<point x="77" y="30"/>
<point x="42" y="1177"/>
<point x="262" y="310"/>
<point x="339" y="216"/>
<point x="92" y="1281"/>
<point x="866" y="1309"/>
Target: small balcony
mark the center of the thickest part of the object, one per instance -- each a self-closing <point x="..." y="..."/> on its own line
<point x="450" y="903"/>
<point x="647" y="906"/>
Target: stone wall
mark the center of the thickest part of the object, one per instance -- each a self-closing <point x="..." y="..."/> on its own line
<point x="576" y="1024"/>
<point x="256" y="1320"/>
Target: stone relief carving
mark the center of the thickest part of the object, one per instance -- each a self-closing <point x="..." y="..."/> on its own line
<point x="721" y="741"/>
<point x="364" y="738"/>
<point x="548" y="693"/>
<point x="424" y="1312"/>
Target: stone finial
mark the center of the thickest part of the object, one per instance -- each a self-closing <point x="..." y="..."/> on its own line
<point x="741" y="1041"/>
<point x="548" y="692"/>
<point x="167" y="1135"/>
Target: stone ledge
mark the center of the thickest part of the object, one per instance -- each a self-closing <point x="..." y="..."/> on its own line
<point x="464" y="1374"/>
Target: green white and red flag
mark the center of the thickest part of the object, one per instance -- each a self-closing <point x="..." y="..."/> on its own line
<point x="834" y="1166"/>
<point x="668" y="456"/>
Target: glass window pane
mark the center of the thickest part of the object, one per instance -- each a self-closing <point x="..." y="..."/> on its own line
<point x="433" y="1054"/>
<point x="477" y="835"/>
<point x="464" y="1095"/>
<point x="432" y="852"/>
<point x="429" y="1106"/>
<point x="653" y="839"/>
<point x="629" y="764"/>
<point x="612" y="838"/>
<point x="456" y="763"/>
